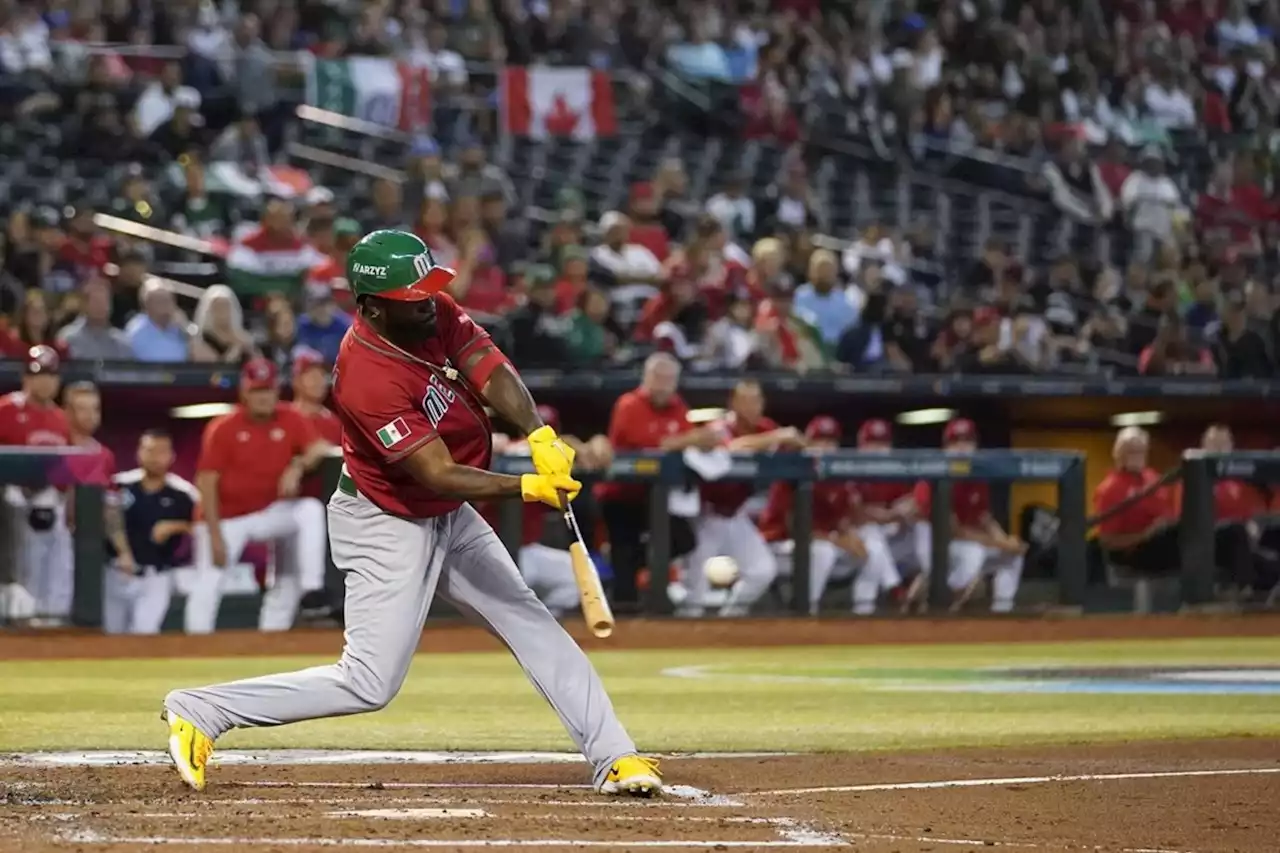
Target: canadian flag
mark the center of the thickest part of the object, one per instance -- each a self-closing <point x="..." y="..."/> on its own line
<point x="543" y="102"/>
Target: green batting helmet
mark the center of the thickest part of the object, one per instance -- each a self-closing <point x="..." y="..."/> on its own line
<point x="395" y="265"/>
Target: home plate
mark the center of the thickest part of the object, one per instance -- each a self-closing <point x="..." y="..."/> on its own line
<point x="411" y="814"/>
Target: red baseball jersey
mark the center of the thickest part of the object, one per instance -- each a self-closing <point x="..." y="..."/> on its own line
<point x="326" y="424"/>
<point x="636" y="424"/>
<point x="250" y="456"/>
<point x="392" y="402"/>
<point x="883" y="493"/>
<point x="1119" y="486"/>
<point x="834" y="504"/>
<point x="96" y="468"/>
<point x="970" y="501"/>
<point x="1236" y="500"/>
<point x="23" y="422"/>
<point x="728" y="497"/>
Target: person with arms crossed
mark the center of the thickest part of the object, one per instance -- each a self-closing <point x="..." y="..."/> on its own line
<point x="979" y="545"/>
<point x="157" y="507"/>
<point x="651" y="417"/>
<point x="724" y="528"/>
<point x="411" y="383"/>
<point x="250" y="470"/>
<point x="44" y="564"/>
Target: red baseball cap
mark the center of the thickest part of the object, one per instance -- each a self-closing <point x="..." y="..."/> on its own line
<point x="823" y="426"/>
<point x="549" y="416"/>
<point x="959" y="429"/>
<point x="876" y="431"/>
<point x="258" y="374"/>
<point x="43" y="359"/>
<point x="304" y="360"/>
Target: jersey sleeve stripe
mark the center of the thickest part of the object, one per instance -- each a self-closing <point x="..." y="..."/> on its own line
<point x="401" y="455"/>
<point x="173" y="481"/>
<point x="124" y="478"/>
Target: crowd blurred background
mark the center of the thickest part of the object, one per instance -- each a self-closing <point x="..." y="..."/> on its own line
<point x="924" y="186"/>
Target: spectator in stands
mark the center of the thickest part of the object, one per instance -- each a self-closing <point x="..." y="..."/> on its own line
<point x="160" y="100"/>
<point x="1152" y="204"/>
<point x="1240" y="352"/>
<point x="183" y="132"/>
<point x="573" y="280"/>
<point x="199" y="214"/>
<point x="536" y="330"/>
<point x="471" y="173"/>
<point x="282" y="333"/>
<point x="390" y="206"/>
<point x="633" y="269"/>
<point x="1077" y="188"/>
<point x="730" y="342"/>
<point x="244" y="144"/>
<point x="822" y="303"/>
<point x="735" y="211"/>
<point x="791" y="203"/>
<point x="433" y="227"/>
<point x="254" y="78"/>
<point x="507" y="235"/>
<point x="91" y="337"/>
<point x="130" y="274"/>
<point x="137" y="201"/>
<point x="671" y="189"/>
<point x="159" y="333"/>
<point x="1171" y="354"/>
<point x="590" y="338"/>
<point x="480" y="284"/>
<point x="220" y="333"/>
<point x="646" y="228"/>
<point x="272" y="257"/>
<point x="85" y="250"/>
<point x="32" y="327"/>
<point x="787" y="341"/>
<point x="323" y="326"/>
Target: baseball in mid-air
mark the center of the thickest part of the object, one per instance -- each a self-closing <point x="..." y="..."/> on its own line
<point x="720" y="571"/>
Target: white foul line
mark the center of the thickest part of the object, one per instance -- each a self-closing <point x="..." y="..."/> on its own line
<point x="1013" y="780"/>
<point x="96" y="838"/>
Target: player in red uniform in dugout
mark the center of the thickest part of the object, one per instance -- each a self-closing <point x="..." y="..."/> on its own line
<point x="1142" y="536"/>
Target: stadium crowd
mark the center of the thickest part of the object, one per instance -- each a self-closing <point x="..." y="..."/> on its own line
<point x="1143" y="132"/>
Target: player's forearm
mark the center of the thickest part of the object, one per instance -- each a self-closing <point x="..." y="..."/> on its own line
<point x="207" y="486"/>
<point x="113" y="522"/>
<point x="462" y="481"/>
<point x="685" y="440"/>
<point x="506" y="392"/>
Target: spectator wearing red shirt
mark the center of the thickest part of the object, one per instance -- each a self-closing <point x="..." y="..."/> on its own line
<point x="646" y="229"/>
<point x="979" y="545"/>
<point x="1112" y="166"/>
<point x="574" y="268"/>
<point x="85" y="250"/>
<point x="1171" y="354"/>
<point x="1142" y="535"/>
<point x="32" y="327"/>
<point x="769" y="115"/>
<point x="652" y="417"/>
<point x="480" y="284"/>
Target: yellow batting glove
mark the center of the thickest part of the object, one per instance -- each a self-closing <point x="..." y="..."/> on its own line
<point x="551" y="489"/>
<point x="551" y="455"/>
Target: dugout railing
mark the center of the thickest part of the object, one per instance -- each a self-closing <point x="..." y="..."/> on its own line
<point x="1197" y="523"/>
<point x="664" y="472"/>
<point x="36" y="468"/>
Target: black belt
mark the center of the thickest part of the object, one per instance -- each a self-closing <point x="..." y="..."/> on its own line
<point x="346" y="485"/>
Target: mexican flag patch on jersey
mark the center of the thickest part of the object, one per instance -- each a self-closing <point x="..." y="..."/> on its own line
<point x="393" y="433"/>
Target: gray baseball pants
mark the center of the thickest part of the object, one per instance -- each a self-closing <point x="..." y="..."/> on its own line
<point x="394" y="567"/>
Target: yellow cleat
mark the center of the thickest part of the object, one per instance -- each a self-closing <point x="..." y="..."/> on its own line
<point x="189" y="748"/>
<point x="634" y="776"/>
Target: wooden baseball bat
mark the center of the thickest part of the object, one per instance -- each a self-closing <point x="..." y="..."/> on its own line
<point x="595" y="607"/>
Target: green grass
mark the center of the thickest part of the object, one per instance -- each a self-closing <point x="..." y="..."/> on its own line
<point x="481" y="701"/>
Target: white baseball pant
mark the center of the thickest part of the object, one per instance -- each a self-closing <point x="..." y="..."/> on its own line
<point x="829" y="562"/>
<point x="135" y="604"/>
<point x="733" y="536"/>
<point x="969" y="560"/>
<point x="549" y="573"/>
<point x="394" y="567"/>
<point x="297" y="528"/>
<point x="45" y="558"/>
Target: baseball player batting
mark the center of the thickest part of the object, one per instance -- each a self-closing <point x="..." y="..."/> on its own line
<point x="411" y="382"/>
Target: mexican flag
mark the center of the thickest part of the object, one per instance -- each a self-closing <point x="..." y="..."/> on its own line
<point x="543" y="102"/>
<point x="372" y="88"/>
